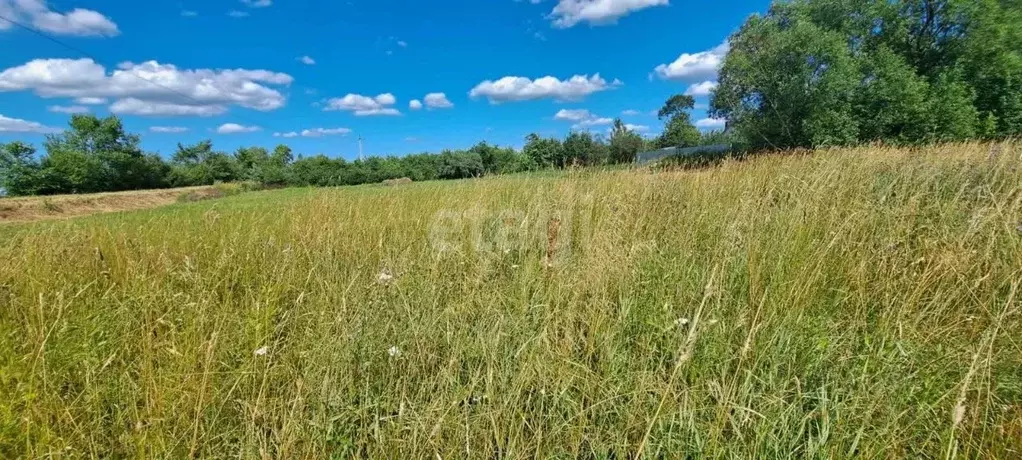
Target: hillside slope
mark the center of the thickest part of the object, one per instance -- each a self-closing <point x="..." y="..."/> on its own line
<point x="847" y="302"/>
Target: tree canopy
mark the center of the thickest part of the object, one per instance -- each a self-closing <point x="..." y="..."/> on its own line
<point x="814" y="73"/>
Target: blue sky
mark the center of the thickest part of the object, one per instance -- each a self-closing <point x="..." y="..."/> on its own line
<point x="317" y="74"/>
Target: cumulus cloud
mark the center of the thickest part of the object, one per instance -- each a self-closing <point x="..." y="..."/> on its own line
<point x="595" y="121"/>
<point x="78" y="22"/>
<point x="363" y="106"/>
<point x="702" y="65"/>
<point x="572" y="114"/>
<point x="701" y="89"/>
<point x="437" y="101"/>
<point x="68" y="108"/>
<point x="568" y="13"/>
<point x="637" y="128"/>
<point x="711" y="123"/>
<point x="237" y="14"/>
<point x="511" y="88"/>
<point x="168" y="129"/>
<point x="133" y="106"/>
<point x="17" y="125"/>
<point x="415" y="104"/>
<point x="307" y="60"/>
<point x="317" y="132"/>
<point x="90" y="100"/>
<point x="148" y="88"/>
<point x="234" y="128"/>
<point x="582" y="118"/>
<point x="630" y="113"/>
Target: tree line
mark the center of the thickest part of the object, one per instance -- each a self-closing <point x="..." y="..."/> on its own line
<point x="99" y="155"/>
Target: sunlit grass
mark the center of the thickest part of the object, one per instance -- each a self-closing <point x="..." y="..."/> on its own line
<point x="851" y="302"/>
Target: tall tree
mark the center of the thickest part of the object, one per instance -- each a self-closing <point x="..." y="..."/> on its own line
<point x="96" y="155"/>
<point x="544" y="152"/>
<point x="830" y="72"/>
<point x="19" y="170"/>
<point x="624" y="143"/>
<point x="199" y="164"/>
<point x="678" y="130"/>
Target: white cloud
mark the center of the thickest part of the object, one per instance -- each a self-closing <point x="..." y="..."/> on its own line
<point x="386" y="99"/>
<point x="582" y="118"/>
<point x="307" y="60"/>
<point x="17" y="125"/>
<point x="637" y="128"/>
<point x="257" y="3"/>
<point x="402" y="43"/>
<point x="364" y="105"/>
<point x="168" y="129"/>
<point x="234" y="128"/>
<point x="701" y="89"/>
<point x="415" y="104"/>
<point x="149" y="88"/>
<point x="237" y="14"/>
<point x="68" y="108"/>
<point x="287" y="134"/>
<point x="90" y="100"/>
<point x="572" y="115"/>
<point x="595" y="121"/>
<point x="711" y="123"/>
<point x="189" y="14"/>
<point x="702" y="65"/>
<point x="317" y="132"/>
<point x="523" y="89"/>
<point x="437" y="101"/>
<point x="568" y="13"/>
<point x="133" y="106"/>
<point x="630" y="113"/>
<point x="78" y="22"/>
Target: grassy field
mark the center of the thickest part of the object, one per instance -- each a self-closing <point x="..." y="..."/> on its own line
<point x="845" y="303"/>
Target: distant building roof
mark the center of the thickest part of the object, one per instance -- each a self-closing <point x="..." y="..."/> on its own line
<point x="654" y="155"/>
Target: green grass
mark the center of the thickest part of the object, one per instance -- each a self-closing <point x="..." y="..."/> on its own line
<point x="845" y="303"/>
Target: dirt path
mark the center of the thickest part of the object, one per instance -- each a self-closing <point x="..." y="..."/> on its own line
<point x="29" y="209"/>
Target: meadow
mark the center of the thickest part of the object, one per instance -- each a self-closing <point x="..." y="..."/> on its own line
<point x="830" y="304"/>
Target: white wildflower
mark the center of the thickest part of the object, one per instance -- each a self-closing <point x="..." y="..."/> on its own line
<point x="681" y="322"/>
<point x="959" y="414"/>
<point x="394" y="351"/>
<point x="384" y="277"/>
<point x="261" y="352"/>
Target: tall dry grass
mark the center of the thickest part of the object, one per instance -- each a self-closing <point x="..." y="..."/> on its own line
<point x="846" y="303"/>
